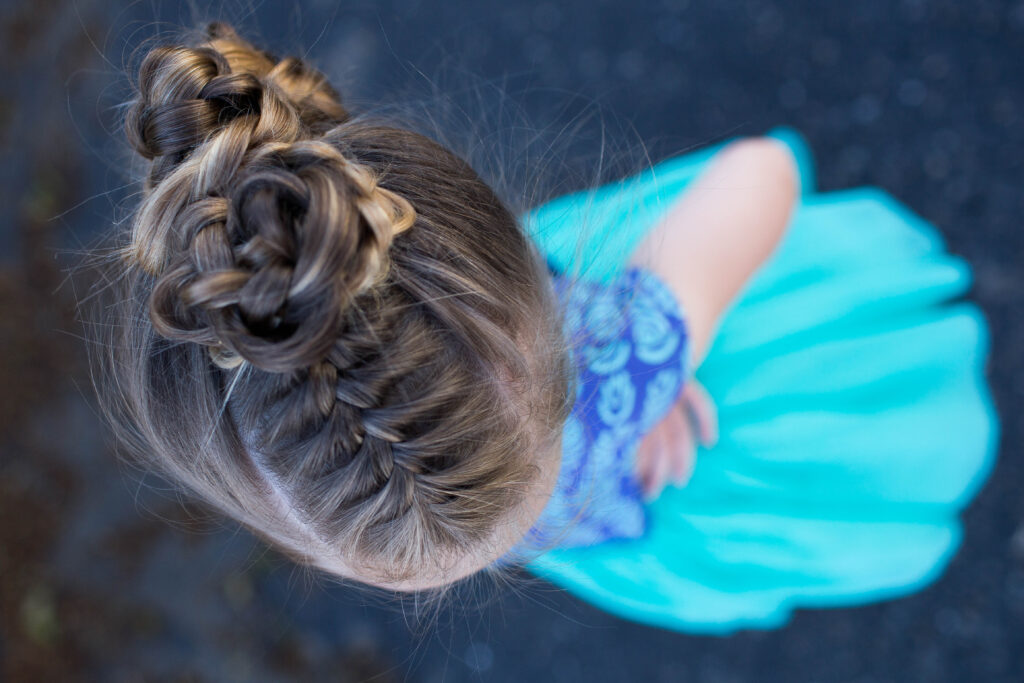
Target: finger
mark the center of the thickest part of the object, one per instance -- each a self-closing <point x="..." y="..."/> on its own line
<point x="653" y="447"/>
<point x="644" y="456"/>
<point x="702" y="408"/>
<point x="676" y="428"/>
<point x="684" y="452"/>
<point x="660" y="467"/>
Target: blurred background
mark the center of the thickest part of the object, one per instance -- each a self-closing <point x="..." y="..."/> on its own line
<point x="106" y="575"/>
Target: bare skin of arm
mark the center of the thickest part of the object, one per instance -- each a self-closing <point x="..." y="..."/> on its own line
<point x="707" y="247"/>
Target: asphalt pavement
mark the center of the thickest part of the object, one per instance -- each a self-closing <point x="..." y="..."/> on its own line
<point x="107" y="576"/>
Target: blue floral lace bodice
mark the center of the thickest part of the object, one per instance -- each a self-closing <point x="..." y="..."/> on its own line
<point x="630" y="346"/>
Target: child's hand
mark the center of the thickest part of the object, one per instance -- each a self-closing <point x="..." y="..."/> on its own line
<point x="668" y="452"/>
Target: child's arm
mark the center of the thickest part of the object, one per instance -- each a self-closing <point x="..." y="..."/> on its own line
<point x="706" y="248"/>
<point x="724" y="226"/>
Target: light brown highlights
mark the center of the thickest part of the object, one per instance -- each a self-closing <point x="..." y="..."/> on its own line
<point x="329" y="328"/>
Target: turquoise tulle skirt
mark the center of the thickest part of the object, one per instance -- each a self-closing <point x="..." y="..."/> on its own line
<point x="855" y="418"/>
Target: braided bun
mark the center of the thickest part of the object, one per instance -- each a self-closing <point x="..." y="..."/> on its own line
<point x="372" y="401"/>
<point x="259" y="234"/>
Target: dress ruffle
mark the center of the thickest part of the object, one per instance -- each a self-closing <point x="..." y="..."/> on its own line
<point x="855" y="418"/>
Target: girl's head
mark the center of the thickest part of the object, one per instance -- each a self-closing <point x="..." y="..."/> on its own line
<point x="331" y="329"/>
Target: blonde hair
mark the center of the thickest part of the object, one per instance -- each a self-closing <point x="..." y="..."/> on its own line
<point x="328" y="327"/>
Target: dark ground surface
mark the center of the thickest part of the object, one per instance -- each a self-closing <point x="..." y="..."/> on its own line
<point x="104" y="579"/>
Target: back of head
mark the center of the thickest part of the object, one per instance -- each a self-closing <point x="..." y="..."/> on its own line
<point x="331" y="328"/>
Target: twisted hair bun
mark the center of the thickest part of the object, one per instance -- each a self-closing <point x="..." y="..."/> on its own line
<point x="259" y="233"/>
<point x="398" y="394"/>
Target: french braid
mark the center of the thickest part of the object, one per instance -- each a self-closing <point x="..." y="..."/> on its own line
<point x="369" y="313"/>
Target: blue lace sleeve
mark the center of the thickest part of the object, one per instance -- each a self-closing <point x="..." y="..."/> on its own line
<point x="630" y="346"/>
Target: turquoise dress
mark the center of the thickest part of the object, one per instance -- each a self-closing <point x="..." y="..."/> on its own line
<point x="855" y="419"/>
